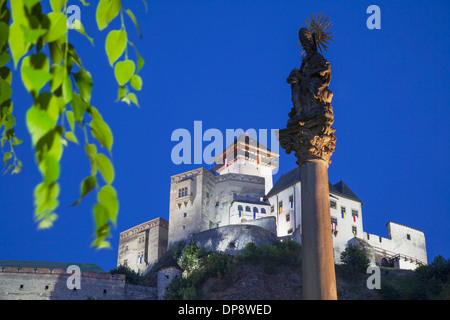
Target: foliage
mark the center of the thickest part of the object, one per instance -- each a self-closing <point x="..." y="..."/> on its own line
<point x="271" y="256"/>
<point x="198" y="267"/>
<point x="131" y="276"/>
<point x="354" y="260"/>
<point x="37" y="44"/>
<point x="428" y="282"/>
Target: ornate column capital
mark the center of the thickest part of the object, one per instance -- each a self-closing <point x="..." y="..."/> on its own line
<point x="310" y="139"/>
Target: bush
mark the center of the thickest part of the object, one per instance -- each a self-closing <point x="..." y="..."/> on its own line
<point x="354" y="261"/>
<point x="197" y="270"/>
<point x="131" y="276"/>
<point x="271" y="256"/>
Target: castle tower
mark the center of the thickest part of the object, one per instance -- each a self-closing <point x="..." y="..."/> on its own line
<point x="247" y="156"/>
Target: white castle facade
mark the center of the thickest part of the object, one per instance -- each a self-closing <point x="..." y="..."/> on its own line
<point x="240" y="192"/>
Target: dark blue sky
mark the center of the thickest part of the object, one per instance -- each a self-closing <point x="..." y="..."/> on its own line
<point x="225" y="63"/>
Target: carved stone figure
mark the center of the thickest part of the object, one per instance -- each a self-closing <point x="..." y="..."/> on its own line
<point x="308" y="132"/>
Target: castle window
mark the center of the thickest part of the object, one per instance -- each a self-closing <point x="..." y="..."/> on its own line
<point x="255" y="211"/>
<point x="185" y="215"/>
<point x="333" y="204"/>
<point x="291" y="201"/>
<point x="333" y="224"/>
<point x="217" y="204"/>
<point x="280" y="207"/>
<point x="343" y="212"/>
<point x="248" y="209"/>
<point x="234" y="195"/>
<point x="288" y="217"/>
<point x="183" y="192"/>
<point x="21" y="286"/>
<point x="354" y="215"/>
<point x="241" y="211"/>
<point x="46" y="287"/>
<point x="247" y="197"/>
<point x="263" y="210"/>
<point x="354" y="230"/>
<point x="408" y="236"/>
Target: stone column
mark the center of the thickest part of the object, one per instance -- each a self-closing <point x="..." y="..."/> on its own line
<point x="313" y="142"/>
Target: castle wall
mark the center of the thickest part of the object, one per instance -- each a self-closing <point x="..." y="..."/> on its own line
<point x="141" y="246"/>
<point x="232" y="238"/>
<point x="46" y="284"/>
<point x="404" y="247"/>
<point x="231" y="187"/>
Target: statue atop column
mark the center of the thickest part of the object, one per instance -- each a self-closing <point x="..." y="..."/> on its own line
<point x="309" y="133"/>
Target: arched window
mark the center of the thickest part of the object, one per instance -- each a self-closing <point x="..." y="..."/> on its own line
<point x="263" y="210"/>
<point x="241" y="211"/>
<point x="247" y="208"/>
<point x="240" y="208"/>
<point x="255" y="210"/>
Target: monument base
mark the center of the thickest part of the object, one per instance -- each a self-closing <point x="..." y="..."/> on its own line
<point x="318" y="274"/>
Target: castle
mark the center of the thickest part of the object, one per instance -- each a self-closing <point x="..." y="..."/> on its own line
<point x="238" y="203"/>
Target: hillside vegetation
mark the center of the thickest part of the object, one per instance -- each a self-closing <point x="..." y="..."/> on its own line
<point x="273" y="272"/>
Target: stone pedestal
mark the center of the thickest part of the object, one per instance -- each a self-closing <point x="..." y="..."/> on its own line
<point x="318" y="274"/>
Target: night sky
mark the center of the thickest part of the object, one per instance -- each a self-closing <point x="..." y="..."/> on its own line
<point x="225" y="63"/>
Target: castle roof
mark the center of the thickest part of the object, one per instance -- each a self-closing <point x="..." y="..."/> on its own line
<point x="92" y="267"/>
<point x="292" y="177"/>
<point x="169" y="262"/>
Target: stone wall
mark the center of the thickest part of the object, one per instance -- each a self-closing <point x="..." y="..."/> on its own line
<point x="46" y="284"/>
<point x="232" y="238"/>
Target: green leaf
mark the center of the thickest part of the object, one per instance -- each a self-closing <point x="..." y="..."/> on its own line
<point x="102" y="227"/>
<point x="79" y="107"/>
<point x="87" y="185"/>
<point x="6" y="157"/>
<point x="136" y="82"/>
<point x="5" y="91"/>
<point x="4" y="32"/>
<point x="57" y="5"/>
<point x="106" y="168"/>
<point x="84" y="83"/>
<point x="58" y="72"/>
<point x="46" y="200"/>
<point x="30" y="3"/>
<point x="82" y="31"/>
<point x="140" y="60"/>
<point x="35" y="72"/>
<point x="100" y="129"/>
<point x="123" y="71"/>
<point x="58" y="26"/>
<point x="115" y="45"/>
<point x="71" y="118"/>
<point x="133" y="98"/>
<point x="16" y="42"/>
<point x="107" y="10"/>
<point x="133" y="18"/>
<point x="67" y="89"/>
<point x="39" y="123"/>
<point x="4" y="58"/>
<point x="121" y="92"/>
<point x="107" y="197"/>
<point x="71" y="137"/>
